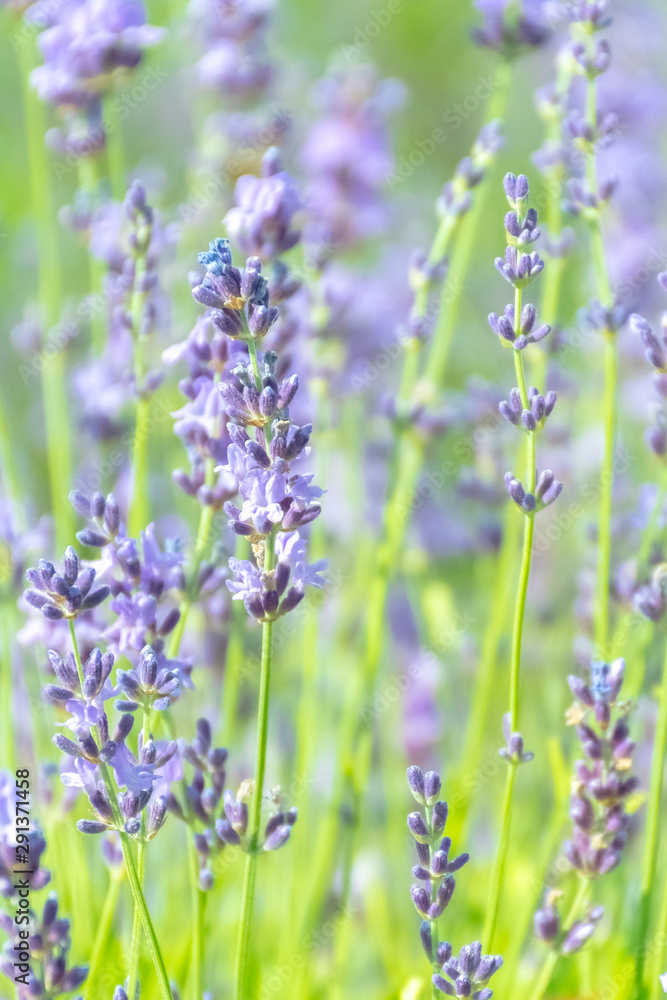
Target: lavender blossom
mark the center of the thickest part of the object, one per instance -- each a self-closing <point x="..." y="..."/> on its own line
<point x="239" y="301"/>
<point x="66" y="594"/>
<point x="509" y="27"/>
<point x="470" y="972"/>
<point x="84" y="42"/>
<point x="262" y="221"/>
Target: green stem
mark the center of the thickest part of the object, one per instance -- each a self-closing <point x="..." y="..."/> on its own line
<point x="102" y="935"/>
<point x="498" y="874"/>
<point x="465" y="246"/>
<point x="130" y="868"/>
<point x="473" y="742"/>
<point x="198" y="908"/>
<point x="601" y="612"/>
<point x="605" y="294"/>
<point x="252" y="351"/>
<point x="248" y="901"/>
<point x="547" y="970"/>
<point x="652" y="835"/>
<point x="135" y="946"/>
<point x="53" y="372"/>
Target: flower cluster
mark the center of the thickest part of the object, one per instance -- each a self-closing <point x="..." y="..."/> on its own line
<point x="86" y="45"/>
<point x="600" y="789"/>
<point x="655" y="350"/>
<point x="275" y="500"/>
<point x="235" y="61"/>
<point x="66" y="594"/>
<point x="132" y="243"/>
<point x="603" y="784"/>
<point x="526" y="408"/>
<point x="468" y="974"/>
<point x="508" y="27"/>
<point x="214" y="829"/>
<point x="262" y="223"/>
<point x="346" y="157"/>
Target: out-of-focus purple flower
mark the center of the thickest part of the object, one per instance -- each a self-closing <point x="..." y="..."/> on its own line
<point x="508" y="27"/>
<point x="262" y="221"/>
<point x="347" y="159"/>
<point x="84" y="42"/>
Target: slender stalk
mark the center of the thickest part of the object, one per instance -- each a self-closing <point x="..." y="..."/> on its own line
<point x="601" y="611"/>
<point x="135" y="945"/>
<point x="652" y="835"/>
<point x="139" y="502"/>
<point x="465" y="246"/>
<point x="248" y="901"/>
<point x="130" y="867"/>
<point x="657" y="967"/>
<point x="499" y="864"/>
<point x="115" y="152"/>
<point x="547" y="970"/>
<point x="601" y="608"/>
<point x="198" y="908"/>
<point x="53" y="372"/>
<point x="102" y="935"/>
<point x="473" y="742"/>
<point x="500" y="861"/>
<point x="7" y="683"/>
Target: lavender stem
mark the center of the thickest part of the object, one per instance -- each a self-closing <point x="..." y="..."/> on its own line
<point x="465" y="247"/>
<point x="56" y="407"/>
<point x="130" y="868"/>
<point x="115" y="152"/>
<point x="247" y="904"/>
<point x="652" y="835"/>
<point x="135" y="944"/>
<point x="97" y="955"/>
<point x="547" y="970"/>
<point x="139" y="507"/>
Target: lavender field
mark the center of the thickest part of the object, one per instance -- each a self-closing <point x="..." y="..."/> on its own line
<point x="333" y="499"/>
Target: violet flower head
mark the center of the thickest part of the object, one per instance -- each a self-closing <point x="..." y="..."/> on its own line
<point x="603" y="783"/>
<point x="239" y="301"/>
<point x="262" y="223"/>
<point x="66" y="594"/>
<point x="435" y="868"/>
<point x="469" y="974"/>
<point x="347" y="160"/>
<point x="235" y="60"/>
<point x="510" y="27"/>
<point x="85" y="43"/>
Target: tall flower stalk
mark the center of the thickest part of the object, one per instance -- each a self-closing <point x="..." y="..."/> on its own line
<point x="587" y="197"/>
<point x="469" y="974"/>
<point x="601" y="788"/>
<point x="527" y="410"/>
<point x="276" y="503"/>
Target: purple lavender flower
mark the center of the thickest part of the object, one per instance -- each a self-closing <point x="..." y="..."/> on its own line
<point x="261" y="223"/>
<point x="347" y="159"/>
<point x="268" y="596"/>
<point x="509" y="27"/>
<point x="85" y="41"/>
<point x="66" y="594"/>
<point x="239" y="301"/>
